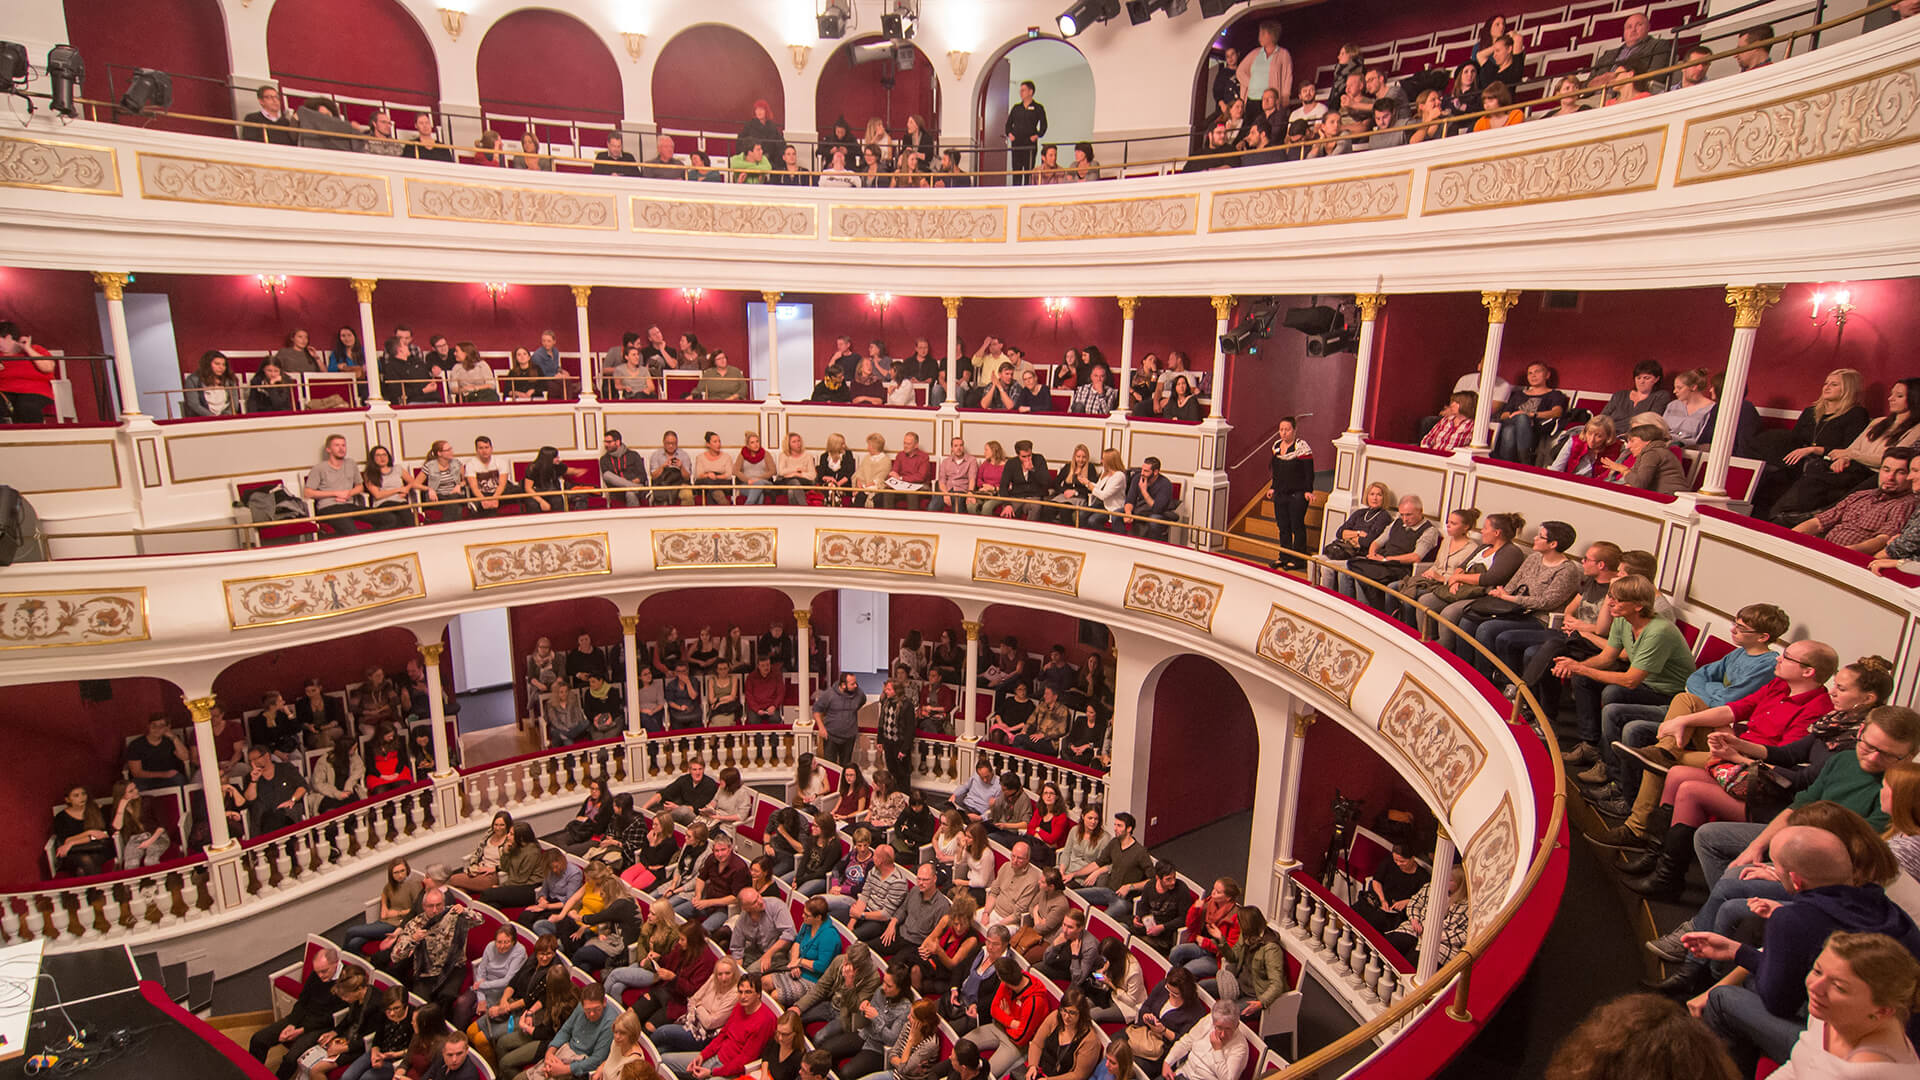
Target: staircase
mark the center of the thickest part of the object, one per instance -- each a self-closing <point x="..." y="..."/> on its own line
<point x="192" y="991"/>
<point x="1256" y="523"/>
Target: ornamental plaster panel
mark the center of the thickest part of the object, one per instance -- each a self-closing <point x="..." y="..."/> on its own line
<point x="265" y="187"/>
<point x="1047" y="569"/>
<point x="1852" y="117"/>
<point x="1326" y="202"/>
<point x="1610" y="166"/>
<point x="696" y="549"/>
<point x="320" y="594"/>
<point x="1110" y="219"/>
<point x="445" y="201"/>
<point x="546" y="559"/>
<point x="58" y="166"/>
<point x="1331" y="661"/>
<point x="887" y="552"/>
<point x="1173" y="596"/>
<point x="725" y="217"/>
<point x="1491" y="857"/>
<point x="51" y="620"/>
<point x="925" y="224"/>
<point x="1444" y="754"/>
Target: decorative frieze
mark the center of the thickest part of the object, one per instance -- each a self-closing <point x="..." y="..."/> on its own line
<point x="892" y="553"/>
<point x="522" y="561"/>
<point x="319" y="594"/>
<point x="49" y="620"/>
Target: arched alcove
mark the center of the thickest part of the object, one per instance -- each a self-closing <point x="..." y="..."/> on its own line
<point x="578" y="77"/>
<point x="882" y="88"/>
<point x="353" y="49"/>
<point x="190" y="43"/>
<point x="1205" y="752"/>
<point x="561" y="622"/>
<point x="334" y="661"/>
<point x="1063" y="83"/>
<point x="687" y="95"/>
<point x="59" y="734"/>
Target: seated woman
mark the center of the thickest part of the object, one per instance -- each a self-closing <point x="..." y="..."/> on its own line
<point x="1180" y="401"/>
<point x="82" y="846"/>
<point x="1529" y="415"/>
<point x="1689" y="416"/>
<point x="212" y="389"/>
<point x="482" y="869"/>
<point x="1835" y="419"/>
<point x="630" y="379"/>
<point x="1496" y="561"/>
<point x="1169" y="1012"/>
<point x="1655" y="466"/>
<point x="1356" y="534"/>
<point x="471" y="378"/>
<point x="1647" y="394"/>
<point x="523" y="381"/>
<point x="795" y="468"/>
<point x="868" y="384"/>
<point x="1453" y="927"/>
<point x="856" y="795"/>
<point x="1825" y="480"/>
<point x="387" y="766"/>
<point x="870" y="475"/>
<point x="1583" y="453"/>
<point x="1455" y="428"/>
<point x="1009" y="722"/>
<point x="399" y="899"/>
<point x="1860" y="995"/>
<point x="1388" y="894"/>
<point x="271" y="390"/>
<point x="547" y="482"/>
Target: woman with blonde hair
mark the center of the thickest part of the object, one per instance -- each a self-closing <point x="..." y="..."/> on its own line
<point x="1592" y="444"/>
<point x="870" y="476"/>
<point x="835" y="471"/>
<point x="1109" y="493"/>
<point x="876" y="137"/>
<point x="993" y="465"/>
<point x="1860" y="994"/>
<point x="1073" y="486"/>
<point x="139" y="845"/>
<point x="1833" y="420"/>
<point x="627" y="1035"/>
<point x="795" y="469"/>
<point x="1357" y="533"/>
<point x="707" y="1010"/>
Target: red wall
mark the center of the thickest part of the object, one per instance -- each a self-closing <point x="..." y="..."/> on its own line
<point x="57" y="308"/>
<point x="53" y="740"/>
<point x="708" y="77"/>
<point x="855" y="92"/>
<point x="545" y="63"/>
<point x="1205" y="749"/>
<point x="188" y="40"/>
<point x="1428" y="341"/>
<point x="354" y="48"/>
<point x="1282" y="380"/>
<point x="1334" y="759"/>
<point x="335" y="663"/>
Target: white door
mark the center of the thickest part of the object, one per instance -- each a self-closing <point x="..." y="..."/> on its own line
<point x="863" y="631"/>
<point x="482" y="657"/>
<point x="795" y="323"/>
<point x="156" y="357"/>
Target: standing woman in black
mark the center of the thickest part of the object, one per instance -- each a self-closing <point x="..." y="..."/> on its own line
<point x="1026" y="123"/>
<point x="1291" y="467"/>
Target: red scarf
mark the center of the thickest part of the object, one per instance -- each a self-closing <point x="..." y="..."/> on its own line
<point x="753" y="457"/>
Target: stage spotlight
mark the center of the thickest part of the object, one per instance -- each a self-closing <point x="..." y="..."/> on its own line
<point x="149" y="89"/>
<point x="1327" y="329"/>
<point x="1139" y="11"/>
<point x="871" y="52"/>
<point x="1211" y="8"/>
<point x="832" y="22"/>
<point x="65" y="71"/>
<point x="1254" y="326"/>
<point x="1084" y="14"/>
<point x="14" y="68"/>
<point x="900" y="23"/>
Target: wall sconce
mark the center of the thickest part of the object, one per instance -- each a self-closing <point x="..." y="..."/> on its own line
<point x="453" y="20"/>
<point x="495" y="290"/>
<point x="800" y="54"/>
<point x="1838" y="304"/>
<point x="958" y="58"/>
<point x="880" y="301"/>
<point x="691" y="296"/>
<point x="271" y="284"/>
<point x="635" y="43"/>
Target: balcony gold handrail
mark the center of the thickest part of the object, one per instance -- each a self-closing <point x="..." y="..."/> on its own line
<point x="1460" y="966"/>
<point x="1224" y="158"/>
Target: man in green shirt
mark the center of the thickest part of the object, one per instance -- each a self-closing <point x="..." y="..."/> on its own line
<point x="750" y="166"/>
<point x="1646" y="662"/>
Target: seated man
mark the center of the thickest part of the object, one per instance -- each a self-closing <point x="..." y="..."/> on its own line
<point x="157" y="759"/>
<point x="763" y="938"/>
<point x="912" y="920"/>
<point x="687" y="796"/>
<point x="1867" y="520"/>
<point x="765" y="695"/>
<point x="1015" y="885"/>
<point x="1150" y="498"/>
<point x="621" y="467"/>
<point x="312" y="1009"/>
<point x="1049" y="725"/>
<point x="1760" y="1013"/>
<point x="717" y="882"/>
<point x="682" y="693"/>
<point x="1646" y="661"/>
<point x="1162" y="908"/>
<point x="885" y="888"/>
<point x="977" y="795"/>
<point x="912" y="471"/>
<point x="376" y="702"/>
<point x="428" y="951"/>
<point x="937" y="702"/>
<point x="669" y="469"/>
<point x="274" y="796"/>
<point x="582" y="1042"/>
<point x="1119" y="874"/>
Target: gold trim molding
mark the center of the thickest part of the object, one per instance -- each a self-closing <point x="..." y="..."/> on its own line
<point x="1173" y="596"/>
<point x="1489" y="862"/>
<point x="1445" y="753"/>
<point x="169" y="178"/>
<point x="1498" y="303"/>
<point x="1330" y="660"/>
<point x="1346" y="201"/>
<point x="1028" y="566"/>
<point x="725" y="217"/>
<point x="551" y="558"/>
<point x="1750" y="303"/>
<point x="52" y="165"/>
<point x="1859" y="116"/>
<point x="68" y="618"/>
<point x="705" y="549"/>
<point x="494" y="204"/>
<point x="1110" y="219"/>
<point x="278" y="599"/>
<point x="1614" y="165"/>
<point x="918" y="224"/>
<point x="882" y="552"/>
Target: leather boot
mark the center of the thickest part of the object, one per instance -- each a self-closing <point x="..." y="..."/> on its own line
<point x="1658" y="822"/>
<point x="1668" y="879"/>
<point x="1636" y="863"/>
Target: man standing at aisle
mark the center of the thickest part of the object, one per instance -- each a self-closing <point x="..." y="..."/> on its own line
<point x="1026" y="123"/>
<point x="836" y="718"/>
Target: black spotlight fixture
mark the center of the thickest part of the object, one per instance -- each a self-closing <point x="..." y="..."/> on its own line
<point x="1139" y="11"/>
<point x="1329" y="331"/>
<point x="1212" y="8"/>
<point x="832" y="22"/>
<point x="1084" y="14"/>
<point x="1254" y="325"/>
<point x="14" y="68"/>
<point x="900" y="23"/>
<point x="149" y="89"/>
<point x="65" y="71"/>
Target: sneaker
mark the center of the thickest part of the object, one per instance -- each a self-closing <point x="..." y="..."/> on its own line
<point x="1656" y="758"/>
<point x="1581" y="754"/>
<point x="1667" y="946"/>
<point x="1595" y="775"/>
<point x="1611" y="802"/>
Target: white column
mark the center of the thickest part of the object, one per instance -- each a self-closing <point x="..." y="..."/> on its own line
<point x="430" y="652"/>
<point x="1129" y="305"/>
<point x="1432" y="920"/>
<point x="952" y="304"/>
<point x="1276" y="795"/>
<point x="370" y="345"/>
<point x="1295" y="753"/>
<point x="803" y="649"/>
<point x="968" y="680"/>
<point x="1370" y="305"/>
<point x="115" y="285"/>
<point x="588" y="394"/>
<point x="214" y="800"/>
<point x="1222" y="311"/>
<point x="630" y="645"/>
<point x="1497" y="305"/>
<point x="1749" y="303"/>
<point x="772" y="298"/>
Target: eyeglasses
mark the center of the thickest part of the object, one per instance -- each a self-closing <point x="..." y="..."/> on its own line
<point x="1792" y="659"/>
<point x="1742" y="628"/>
<point x="1863" y="748"/>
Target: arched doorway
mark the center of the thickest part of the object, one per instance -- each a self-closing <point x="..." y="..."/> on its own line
<point x="1241" y="35"/>
<point x="580" y="80"/>
<point x="688" y="97"/>
<point x="859" y="82"/>
<point x="1063" y="82"/>
<point x="190" y="43"/>
<point x="1205" y="753"/>
<point x="355" y="50"/>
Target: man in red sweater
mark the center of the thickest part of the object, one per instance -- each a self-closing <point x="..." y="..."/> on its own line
<point x="740" y="1041"/>
<point x="765" y="693"/>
